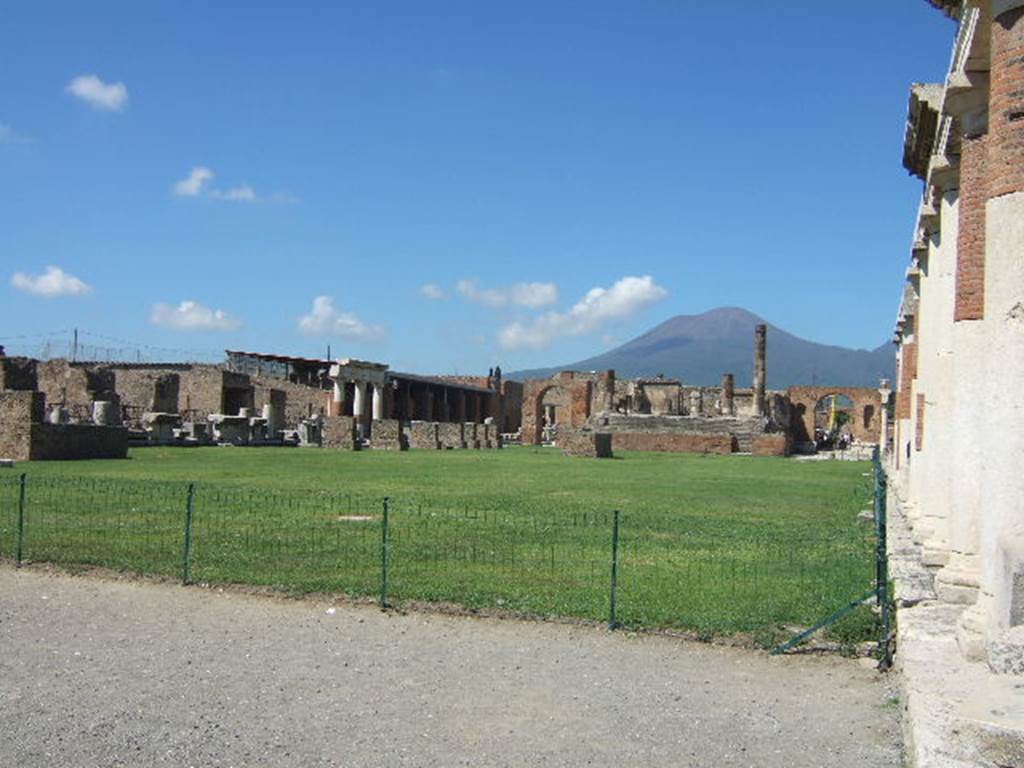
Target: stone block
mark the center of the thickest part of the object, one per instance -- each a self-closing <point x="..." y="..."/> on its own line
<point x="451" y="435"/>
<point x="679" y="442"/>
<point x="470" y="434"/>
<point x="339" y="433"/>
<point x="388" y="435"/>
<point x="585" y="443"/>
<point x="423" y="435"/>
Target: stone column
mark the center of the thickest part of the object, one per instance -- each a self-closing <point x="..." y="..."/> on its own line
<point x="728" y="393"/>
<point x="461" y="405"/>
<point x="378" y="402"/>
<point x="760" y="333"/>
<point x="359" y="400"/>
<point x="337" y="404"/>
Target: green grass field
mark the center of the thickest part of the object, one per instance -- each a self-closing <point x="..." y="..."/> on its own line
<point x="718" y="545"/>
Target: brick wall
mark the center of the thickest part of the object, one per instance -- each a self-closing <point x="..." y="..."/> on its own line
<point x="970" y="259"/>
<point x="1006" y="105"/>
<point x="771" y="445"/>
<point x="673" y="443"/>
<point x="908" y="372"/>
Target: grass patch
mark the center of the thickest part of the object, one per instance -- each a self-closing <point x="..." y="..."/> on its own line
<point x="716" y="545"/>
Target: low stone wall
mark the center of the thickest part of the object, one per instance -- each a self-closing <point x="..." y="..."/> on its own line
<point x="18" y="410"/>
<point x="339" y="433"/>
<point x="423" y="436"/>
<point x="771" y="445"/>
<point x="678" y="442"/>
<point x="451" y="435"/>
<point x="387" y="435"/>
<point x="579" y="442"/>
<point x="471" y="434"/>
<point x="77" y="441"/>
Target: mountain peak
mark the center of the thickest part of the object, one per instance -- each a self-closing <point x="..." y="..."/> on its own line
<point x="698" y="349"/>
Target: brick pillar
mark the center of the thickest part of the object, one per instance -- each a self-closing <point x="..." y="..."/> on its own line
<point x="728" y="394"/>
<point x="1006" y="103"/>
<point x="970" y="259"/>
<point x="919" y="426"/>
<point x="760" y="344"/>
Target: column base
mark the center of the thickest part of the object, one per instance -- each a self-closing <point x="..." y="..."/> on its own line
<point x="958" y="581"/>
<point x="970" y="633"/>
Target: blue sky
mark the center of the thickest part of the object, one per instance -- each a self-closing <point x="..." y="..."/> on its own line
<point x="446" y="186"/>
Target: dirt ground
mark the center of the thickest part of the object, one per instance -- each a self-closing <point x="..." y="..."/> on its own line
<point x="97" y="672"/>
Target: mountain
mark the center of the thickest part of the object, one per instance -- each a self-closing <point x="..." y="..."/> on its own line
<point x="698" y="349"/>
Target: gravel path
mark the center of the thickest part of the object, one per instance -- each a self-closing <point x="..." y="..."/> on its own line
<point x="98" y="672"/>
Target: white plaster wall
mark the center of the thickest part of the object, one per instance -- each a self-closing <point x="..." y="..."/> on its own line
<point x="1002" y="481"/>
<point x="936" y="381"/>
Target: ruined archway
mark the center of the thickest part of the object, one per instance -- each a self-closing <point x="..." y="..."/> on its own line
<point x="860" y="407"/>
<point x="563" y="399"/>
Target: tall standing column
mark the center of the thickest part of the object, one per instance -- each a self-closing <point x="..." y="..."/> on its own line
<point x="378" y="402"/>
<point x="728" y="395"/>
<point x="760" y="334"/>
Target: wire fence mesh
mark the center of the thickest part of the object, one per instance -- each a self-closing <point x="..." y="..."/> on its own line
<point x="671" y="571"/>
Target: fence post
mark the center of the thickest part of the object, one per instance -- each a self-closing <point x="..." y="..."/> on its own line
<point x="882" y="562"/>
<point x="20" y="541"/>
<point x="186" y="560"/>
<point x="384" y="557"/>
<point x="612" y="623"/>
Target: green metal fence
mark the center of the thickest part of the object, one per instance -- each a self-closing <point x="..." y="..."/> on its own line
<point x="633" y="568"/>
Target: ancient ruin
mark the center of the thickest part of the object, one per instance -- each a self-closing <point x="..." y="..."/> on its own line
<point x="659" y="414"/>
<point x="958" y="432"/>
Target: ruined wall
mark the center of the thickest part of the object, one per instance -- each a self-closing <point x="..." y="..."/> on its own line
<point x="772" y="445"/>
<point x="512" y="404"/>
<point x="339" y="432"/>
<point x="423" y="435"/>
<point x="387" y="435"/>
<point x="586" y="443"/>
<point x="574" y="393"/>
<point x="18" y="373"/>
<point x="673" y="442"/>
<point x="451" y="435"/>
<point x="74" y="385"/>
<point x="866" y="419"/>
<point x="18" y="411"/>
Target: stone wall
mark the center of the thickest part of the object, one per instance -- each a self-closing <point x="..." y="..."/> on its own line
<point x="24" y="436"/>
<point x="387" y="435"/>
<point x="339" y="432"/>
<point x="18" y="411"/>
<point x="584" y="442"/>
<point x="77" y="441"/>
<point x="423" y="436"/>
<point x="74" y="386"/>
<point x="678" y="442"/>
<point x="18" y="373"/>
<point x="451" y="435"/>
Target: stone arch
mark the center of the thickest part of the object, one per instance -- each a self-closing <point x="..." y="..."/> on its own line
<point x="864" y="407"/>
<point x="573" y="398"/>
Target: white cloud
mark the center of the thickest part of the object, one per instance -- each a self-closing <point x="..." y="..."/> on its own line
<point x="53" y="282"/>
<point x="9" y="136"/>
<point x="432" y="291"/>
<point x="97" y="94"/>
<point x="532" y="295"/>
<point x="324" y="320"/>
<point x="193" y="184"/>
<point x="243" y="194"/>
<point x="192" y="316"/>
<point x="626" y="297"/>
<point x="198" y="179"/>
